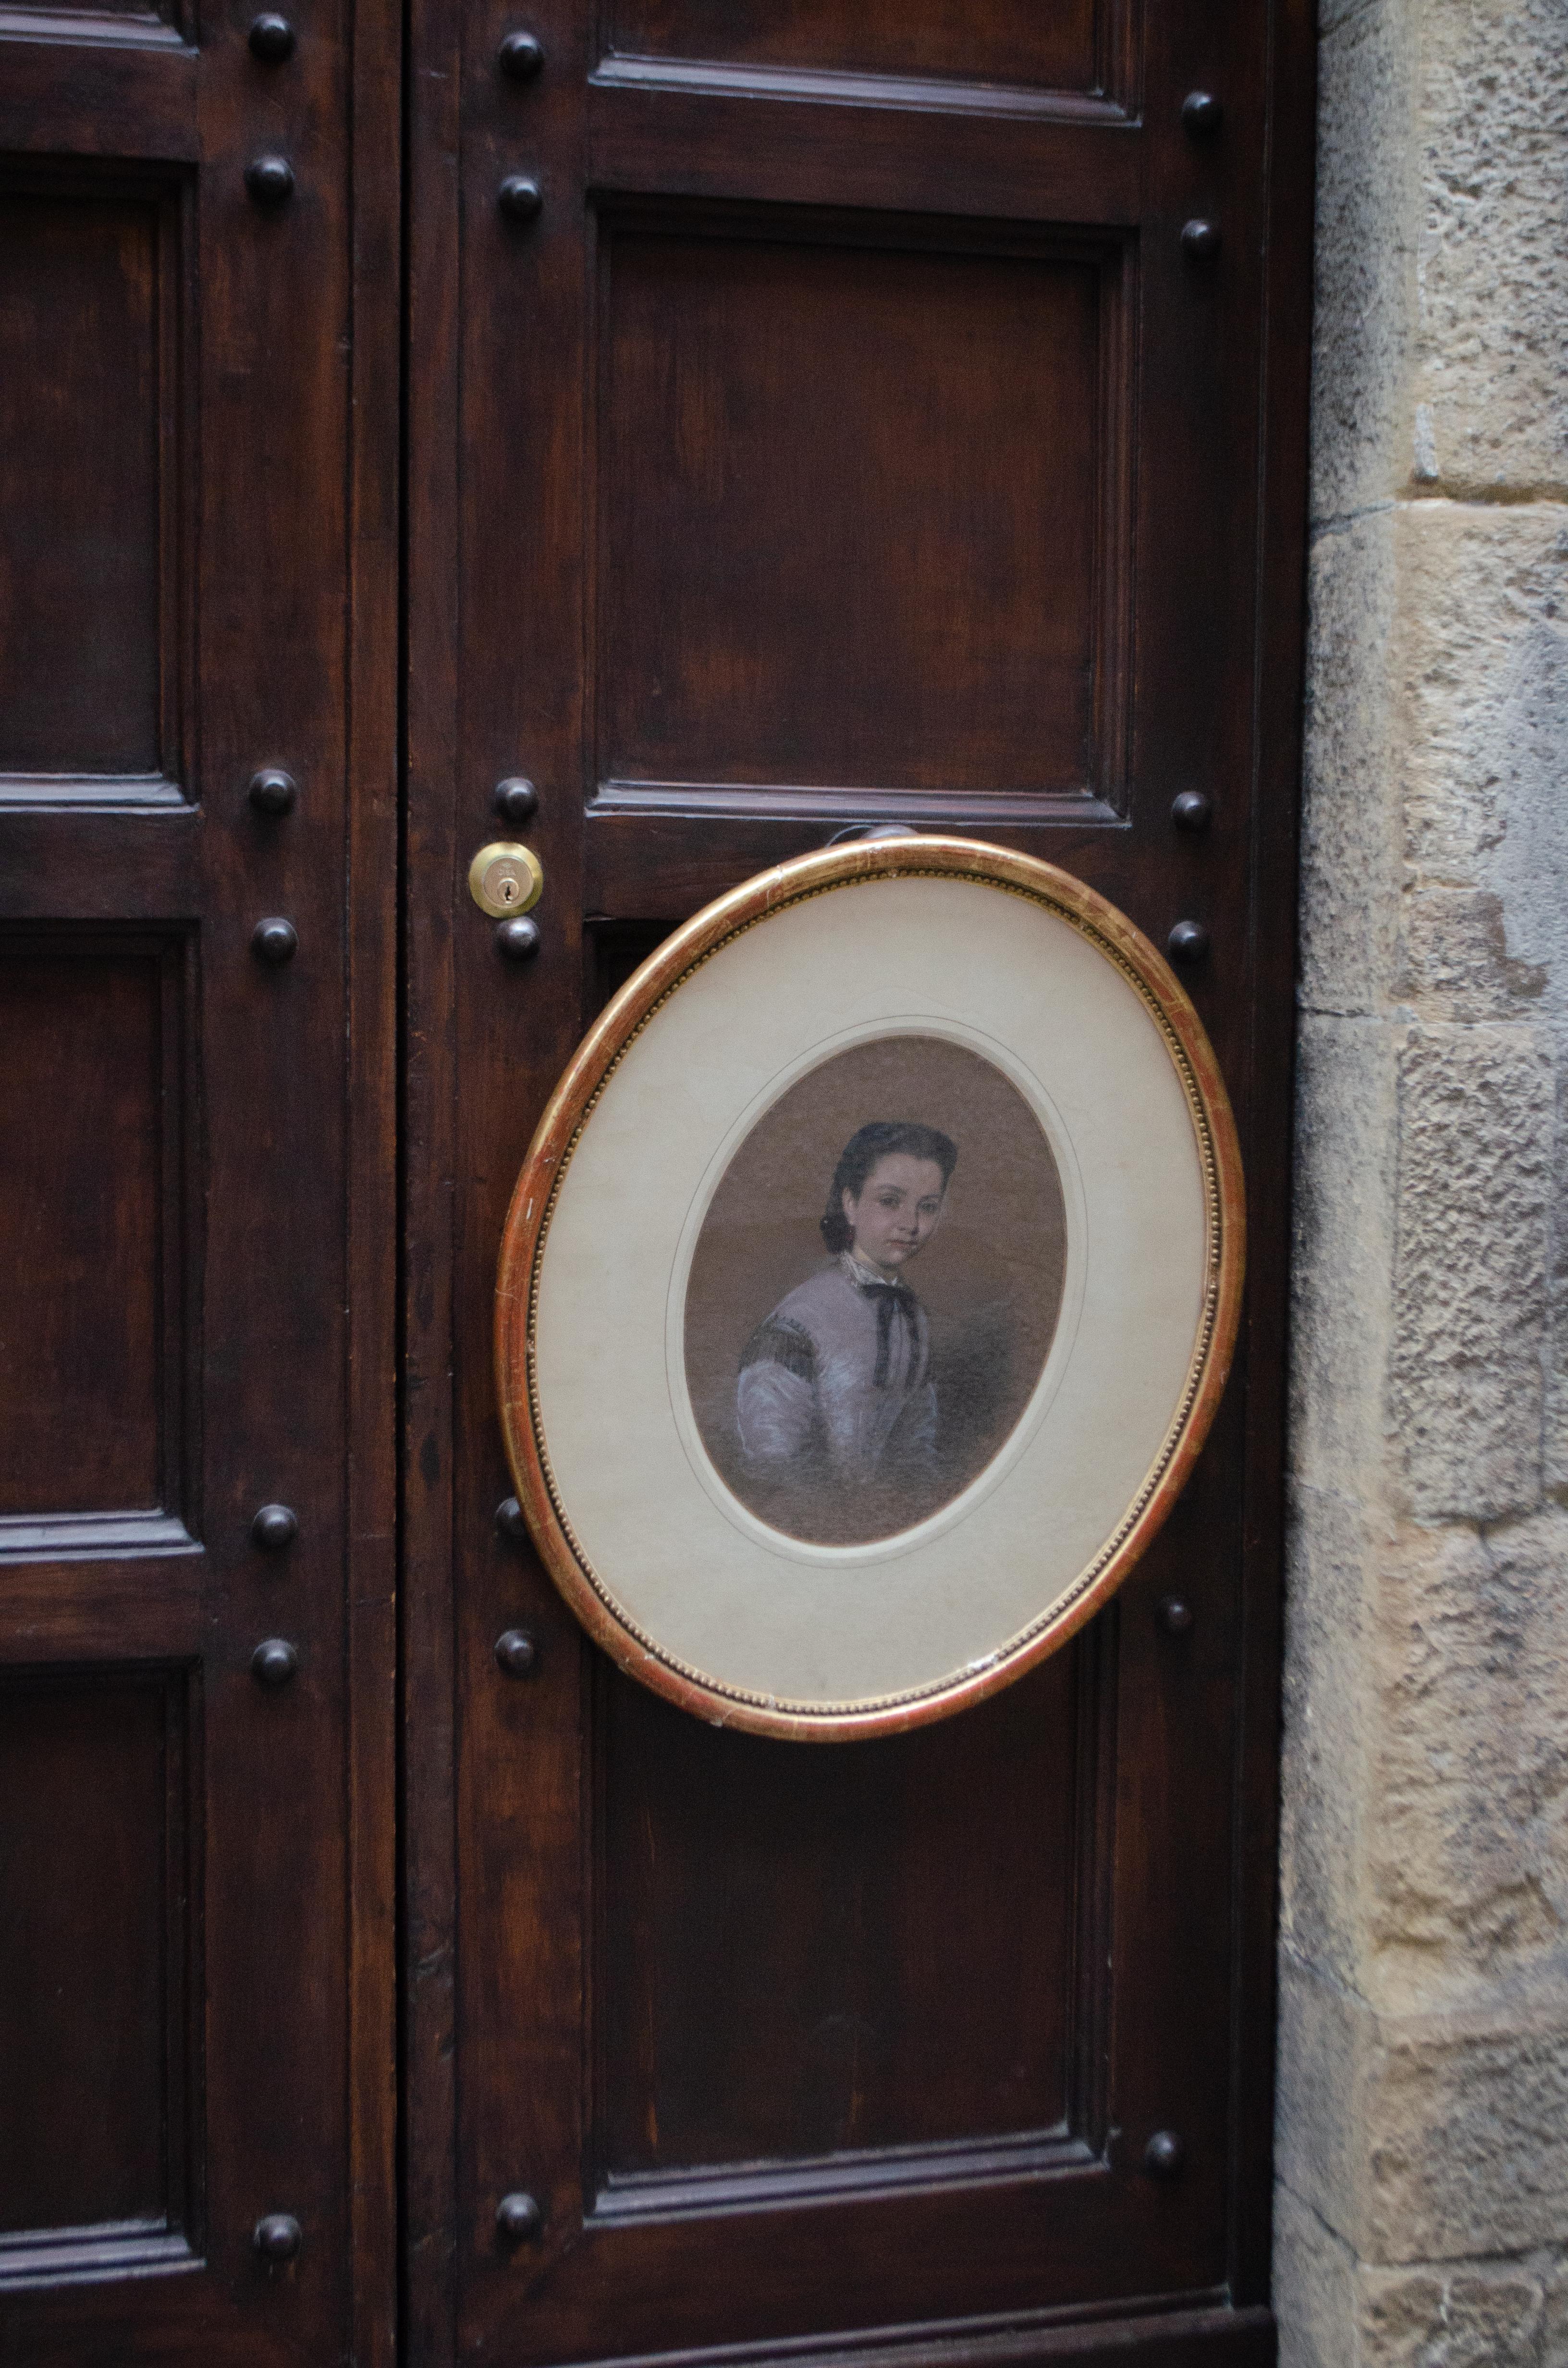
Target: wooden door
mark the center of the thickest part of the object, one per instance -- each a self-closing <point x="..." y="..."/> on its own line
<point x="822" y="417"/>
<point x="198" y="535"/>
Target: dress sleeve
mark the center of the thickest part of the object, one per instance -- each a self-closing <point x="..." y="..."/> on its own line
<point x="776" y="1394"/>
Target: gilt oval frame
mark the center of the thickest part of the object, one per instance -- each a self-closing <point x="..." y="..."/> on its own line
<point x="587" y="1591"/>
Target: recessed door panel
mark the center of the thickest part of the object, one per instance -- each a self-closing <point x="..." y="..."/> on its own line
<point x="89" y="560"/>
<point x="98" y="1872"/>
<point x="850" y="505"/>
<point x="790" y="1943"/>
<point x="1007" y="41"/>
<point x="91" y="1379"/>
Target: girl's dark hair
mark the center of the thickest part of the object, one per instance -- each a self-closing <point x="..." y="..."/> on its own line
<point x="860" y="1154"/>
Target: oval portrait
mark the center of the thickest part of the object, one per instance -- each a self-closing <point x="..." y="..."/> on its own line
<point x="870" y="1287"/>
<point x="874" y="1290"/>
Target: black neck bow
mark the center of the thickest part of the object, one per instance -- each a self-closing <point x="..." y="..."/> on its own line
<point x="892" y="1299"/>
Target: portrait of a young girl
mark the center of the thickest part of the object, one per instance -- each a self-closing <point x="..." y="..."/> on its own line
<point x="873" y="1290"/>
<point x="837" y="1382"/>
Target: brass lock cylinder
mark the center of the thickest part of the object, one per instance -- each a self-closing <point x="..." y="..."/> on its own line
<point x="505" y="880"/>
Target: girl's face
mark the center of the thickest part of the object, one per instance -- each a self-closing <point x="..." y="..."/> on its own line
<point x="897" y="1211"/>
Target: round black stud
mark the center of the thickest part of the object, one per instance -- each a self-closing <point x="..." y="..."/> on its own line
<point x="1165" y="2155"/>
<point x="515" y="800"/>
<point x="1201" y="241"/>
<point x="521" y="57"/>
<point x="1201" y="114"/>
<point x="275" y="940"/>
<point x="274" y="1663"/>
<point x="1188" y="942"/>
<point x="519" y="939"/>
<point x="271" y="40"/>
<point x="275" y="1527"/>
<point x="1193" y="810"/>
<point x="273" y="792"/>
<point x="516" y="1653"/>
<point x="270" y="180"/>
<point x="519" y="198"/>
<point x="276" y="2238"/>
<point x="517" y="2218"/>
<point x="1175" y="1617"/>
<point x="510" y="1522"/>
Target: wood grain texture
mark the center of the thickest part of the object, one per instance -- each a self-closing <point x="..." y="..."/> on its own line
<point x="83" y="423"/>
<point x="96" y="2023"/>
<point x="1001" y="41"/>
<point x="132" y="97"/>
<point x="788" y="1948"/>
<point x="92" y="1349"/>
<point x="915" y="439"/>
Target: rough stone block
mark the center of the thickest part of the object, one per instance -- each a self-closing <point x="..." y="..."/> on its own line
<point x="1368" y="232"/>
<point x="1555" y="2318"/>
<point x="1555" y="1443"/>
<point x="1457" y="964"/>
<point x="1492" y="108"/>
<point x="1314" y="2286"/>
<point x="1343" y="1203"/>
<point x="1467" y="1797"/>
<point x="1423" y="2319"/>
<point x="1320" y="2122"/>
<point x="1327" y="1722"/>
<point x="1351" y="829"/>
<point x="1470" y="1302"/>
<point x="1399" y="2317"/>
<point x="1426" y="2139"/>
<point x="1466" y="2138"/>
<point x="1481" y="660"/>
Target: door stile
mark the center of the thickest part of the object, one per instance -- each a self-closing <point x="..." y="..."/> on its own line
<point x="371" y="873"/>
<point x="427" y="1968"/>
<point x="1268" y="1065"/>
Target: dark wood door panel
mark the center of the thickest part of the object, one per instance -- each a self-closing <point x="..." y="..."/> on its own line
<point x="99" y="1248"/>
<point x="98" y="1871"/>
<point x="848" y="498"/>
<point x="1004" y="42"/>
<point x="131" y="97"/>
<point x="848" y="438"/>
<point x="84" y="281"/>
<point x="1124" y="1968"/>
<point x="789" y="1944"/>
<point x="197" y="1864"/>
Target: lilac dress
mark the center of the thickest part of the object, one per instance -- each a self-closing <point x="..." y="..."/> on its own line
<point x="838" y="1379"/>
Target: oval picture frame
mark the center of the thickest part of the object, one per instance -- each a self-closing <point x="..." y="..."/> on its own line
<point x="821" y="1488"/>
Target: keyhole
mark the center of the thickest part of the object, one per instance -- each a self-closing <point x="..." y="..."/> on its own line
<point x="504" y="880"/>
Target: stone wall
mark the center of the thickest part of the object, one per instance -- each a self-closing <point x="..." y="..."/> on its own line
<point x="1423" y="2128"/>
